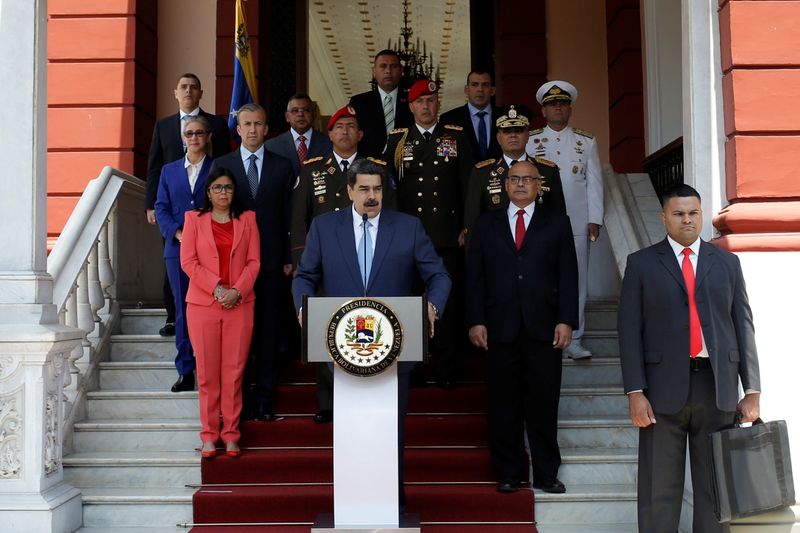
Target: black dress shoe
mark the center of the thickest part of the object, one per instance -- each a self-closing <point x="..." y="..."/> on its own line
<point x="507" y="486"/>
<point x="553" y="487"/>
<point x="185" y="383"/>
<point x="324" y="416"/>
<point x="168" y="330"/>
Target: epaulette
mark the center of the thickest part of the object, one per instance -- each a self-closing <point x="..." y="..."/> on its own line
<point x="453" y="127"/>
<point x="536" y="132"/>
<point x="312" y="160"/>
<point x="544" y="161"/>
<point x="584" y="133"/>
<point x="380" y="162"/>
<point x="485" y="163"/>
<point x="398" y="130"/>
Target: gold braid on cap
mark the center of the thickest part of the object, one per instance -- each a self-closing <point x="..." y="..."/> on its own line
<point x="398" y="154"/>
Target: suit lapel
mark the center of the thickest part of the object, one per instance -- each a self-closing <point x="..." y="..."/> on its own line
<point x="204" y="223"/>
<point x="538" y="221"/>
<point x="501" y="228"/>
<point x="174" y="127"/>
<point x="347" y="238"/>
<point x="705" y="262"/>
<point x="382" y="244"/>
<point x="238" y="228"/>
<point x="667" y="258"/>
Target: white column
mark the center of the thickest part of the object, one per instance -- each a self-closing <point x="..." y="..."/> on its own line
<point x="34" y="347"/>
<point x="703" y="121"/>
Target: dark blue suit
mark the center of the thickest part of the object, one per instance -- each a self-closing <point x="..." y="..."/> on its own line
<point x="402" y="250"/>
<point x="174" y="198"/>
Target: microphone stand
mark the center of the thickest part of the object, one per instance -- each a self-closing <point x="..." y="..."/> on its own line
<point x="364" y="218"/>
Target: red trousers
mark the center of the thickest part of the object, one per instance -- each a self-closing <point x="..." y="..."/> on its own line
<point x="221" y="341"/>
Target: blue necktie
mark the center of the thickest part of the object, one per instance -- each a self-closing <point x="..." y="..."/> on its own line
<point x="482" y="137"/>
<point x="365" y="256"/>
<point x="252" y="175"/>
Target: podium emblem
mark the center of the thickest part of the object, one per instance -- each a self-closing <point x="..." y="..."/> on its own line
<point x="364" y="337"/>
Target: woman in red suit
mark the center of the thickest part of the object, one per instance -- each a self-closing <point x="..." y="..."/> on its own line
<point x="221" y="255"/>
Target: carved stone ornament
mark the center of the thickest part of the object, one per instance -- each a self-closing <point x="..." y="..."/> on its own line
<point x="53" y="414"/>
<point x="11" y="435"/>
<point x="7" y="366"/>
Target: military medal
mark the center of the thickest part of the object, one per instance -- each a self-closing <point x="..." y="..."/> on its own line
<point x="447" y="147"/>
<point x="321" y="199"/>
<point x="408" y="152"/>
<point x="331" y="170"/>
<point x="496" y="199"/>
<point x="575" y="169"/>
<point x="501" y="170"/>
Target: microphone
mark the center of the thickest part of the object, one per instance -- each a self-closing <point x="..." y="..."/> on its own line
<point x="364" y="218"/>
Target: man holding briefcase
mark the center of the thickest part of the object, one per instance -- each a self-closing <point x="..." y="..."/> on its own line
<point x="686" y="338"/>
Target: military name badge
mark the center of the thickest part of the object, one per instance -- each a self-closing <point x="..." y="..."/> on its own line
<point x="364" y="337"/>
<point x="447" y="147"/>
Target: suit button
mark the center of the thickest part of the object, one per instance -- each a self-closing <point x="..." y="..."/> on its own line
<point x="436" y="178"/>
<point x="519" y="277"/>
<point x="420" y="164"/>
<point x="435" y="162"/>
<point x="419" y="194"/>
<point x="337" y="195"/>
<point x="419" y="210"/>
<point x="435" y="193"/>
<point x="336" y="209"/>
<point x="191" y="201"/>
<point x="435" y="210"/>
<point x="420" y="178"/>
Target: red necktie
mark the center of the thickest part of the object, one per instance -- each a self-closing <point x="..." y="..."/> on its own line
<point x="695" y="333"/>
<point x="519" y="233"/>
<point x="302" y="149"/>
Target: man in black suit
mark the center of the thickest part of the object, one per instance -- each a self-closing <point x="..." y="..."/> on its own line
<point x="301" y="142"/>
<point x="521" y="307"/>
<point x="477" y="116"/>
<point x="264" y="184"/>
<point x="686" y="340"/>
<point x="384" y="109"/>
<point x="167" y="146"/>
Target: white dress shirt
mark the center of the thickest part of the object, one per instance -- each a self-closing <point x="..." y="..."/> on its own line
<point x="339" y="160"/>
<point x="423" y="130"/>
<point x="512" y="216"/>
<point x="296" y="137"/>
<point x="359" y="233"/>
<point x="192" y="170"/>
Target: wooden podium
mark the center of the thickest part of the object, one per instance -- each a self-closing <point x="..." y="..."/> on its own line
<point x="365" y="338"/>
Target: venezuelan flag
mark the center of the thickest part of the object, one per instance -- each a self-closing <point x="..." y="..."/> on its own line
<point x="245" y="89"/>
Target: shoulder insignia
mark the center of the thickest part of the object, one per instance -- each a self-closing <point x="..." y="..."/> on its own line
<point x="543" y="161"/>
<point x="453" y="127"/>
<point x="398" y="130"/>
<point x="380" y="162"/>
<point x="583" y="132"/>
<point x="312" y="160"/>
<point x="536" y="132"/>
<point x="485" y="163"/>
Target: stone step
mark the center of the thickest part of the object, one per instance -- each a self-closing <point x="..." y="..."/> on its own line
<point x="117" y="507"/>
<point x="602" y="343"/>
<point x="136" y="435"/>
<point x="142" y="321"/>
<point x="588" y="504"/>
<point x="141" y="347"/>
<point x="601" y="314"/>
<point x="604" y="466"/>
<point x="597" y="432"/>
<point x="144" y="469"/>
<point x="160" y="375"/>
<point x="587" y="401"/>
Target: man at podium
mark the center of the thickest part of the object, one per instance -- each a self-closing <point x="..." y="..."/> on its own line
<point x="367" y="251"/>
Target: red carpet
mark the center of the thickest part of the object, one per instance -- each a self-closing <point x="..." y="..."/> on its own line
<point x="285" y="473"/>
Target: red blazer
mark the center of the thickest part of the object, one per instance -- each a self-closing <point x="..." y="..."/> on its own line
<point x="200" y="261"/>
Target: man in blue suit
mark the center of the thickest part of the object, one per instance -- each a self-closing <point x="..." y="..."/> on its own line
<point x="401" y="250"/>
<point x="181" y="189"/>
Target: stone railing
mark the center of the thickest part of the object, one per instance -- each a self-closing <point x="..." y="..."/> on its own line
<point x="104" y="255"/>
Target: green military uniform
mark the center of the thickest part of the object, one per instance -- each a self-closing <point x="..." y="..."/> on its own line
<point x="486" y="190"/>
<point x="322" y="188"/>
<point x="431" y="177"/>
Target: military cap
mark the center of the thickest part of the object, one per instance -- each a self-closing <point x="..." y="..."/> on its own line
<point x="422" y="88"/>
<point x="557" y="90"/>
<point x="512" y="119"/>
<point x="345" y="112"/>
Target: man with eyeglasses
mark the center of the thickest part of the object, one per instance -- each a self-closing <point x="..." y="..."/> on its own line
<point x="521" y="308"/>
<point x="301" y="142"/>
<point x="485" y="191"/>
<point x="167" y="146"/>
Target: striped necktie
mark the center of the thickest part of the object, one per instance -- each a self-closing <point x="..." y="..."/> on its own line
<point x="252" y="175"/>
<point x="388" y="112"/>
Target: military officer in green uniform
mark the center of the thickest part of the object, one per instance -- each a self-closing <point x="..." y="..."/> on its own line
<point x="486" y="190"/>
<point x="321" y="188"/>
<point x="430" y="163"/>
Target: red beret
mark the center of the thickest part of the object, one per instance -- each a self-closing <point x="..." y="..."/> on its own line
<point x="344" y="112"/>
<point x="421" y="88"/>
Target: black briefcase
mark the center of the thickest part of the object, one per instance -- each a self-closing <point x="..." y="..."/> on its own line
<point x="751" y="469"/>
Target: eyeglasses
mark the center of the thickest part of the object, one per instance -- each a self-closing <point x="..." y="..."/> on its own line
<point x="298" y="110"/>
<point x="526" y="180"/>
<point x="217" y="189"/>
<point x="199" y="133"/>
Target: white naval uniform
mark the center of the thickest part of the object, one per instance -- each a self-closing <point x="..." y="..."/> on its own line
<point x="575" y="153"/>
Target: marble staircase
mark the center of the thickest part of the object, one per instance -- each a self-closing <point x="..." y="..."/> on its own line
<point x="135" y="453"/>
